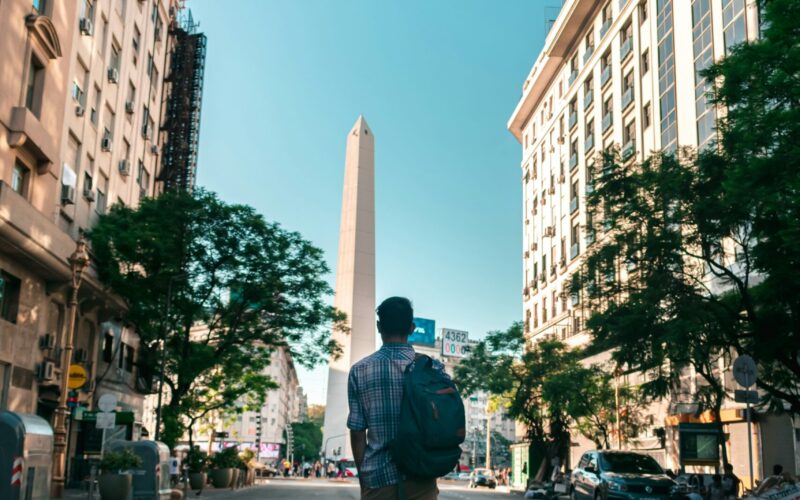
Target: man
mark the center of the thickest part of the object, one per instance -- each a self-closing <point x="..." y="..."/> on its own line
<point x="374" y="393"/>
<point x="730" y="483"/>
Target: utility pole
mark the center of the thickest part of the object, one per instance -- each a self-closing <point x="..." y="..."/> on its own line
<point x="488" y="440"/>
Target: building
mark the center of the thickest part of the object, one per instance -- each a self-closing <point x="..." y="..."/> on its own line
<point x="620" y="73"/>
<point x="80" y="112"/>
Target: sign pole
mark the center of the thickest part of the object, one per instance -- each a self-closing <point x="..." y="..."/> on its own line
<point x="745" y="372"/>
<point x="750" y="445"/>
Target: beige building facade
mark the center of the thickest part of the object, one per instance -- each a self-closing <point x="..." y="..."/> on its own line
<point x="619" y="73"/>
<point x="81" y="95"/>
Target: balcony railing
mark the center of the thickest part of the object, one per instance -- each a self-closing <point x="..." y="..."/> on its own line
<point x="574" y="251"/>
<point x="587" y="99"/>
<point x="587" y="54"/>
<point x="608" y="119"/>
<point x="573" y="205"/>
<point x="573" y="161"/>
<point x="588" y="143"/>
<point x="573" y="119"/>
<point x="605" y="76"/>
<point x="604" y="28"/>
<point x="627" y="98"/>
<point x="629" y="149"/>
<point x="572" y="76"/>
<point x="625" y="49"/>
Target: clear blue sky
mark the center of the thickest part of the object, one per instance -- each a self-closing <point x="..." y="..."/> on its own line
<point x="436" y="80"/>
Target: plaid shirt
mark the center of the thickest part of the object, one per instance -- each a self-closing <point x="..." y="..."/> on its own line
<point x="374" y="394"/>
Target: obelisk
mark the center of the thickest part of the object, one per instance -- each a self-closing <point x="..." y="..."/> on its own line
<point x="355" y="282"/>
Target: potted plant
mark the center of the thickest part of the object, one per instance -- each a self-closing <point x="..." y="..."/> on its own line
<point x="224" y="463"/>
<point x="196" y="461"/>
<point x="115" y="480"/>
<point x="245" y="467"/>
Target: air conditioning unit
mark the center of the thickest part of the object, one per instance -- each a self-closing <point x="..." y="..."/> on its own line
<point x="561" y="179"/>
<point x="105" y="143"/>
<point x="113" y="75"/>
<point x="80" y="356"/>
<point x="89" y="195"/>
<point x="46" y="370"/>
<point x="47" y="341"/>
<point x="79" y="110"/>
<point x="85" y="26"/>
<point x="154" y="149"/>
<point x="535" y="246"/>
<point x="562" y="263"/>
<point x="551" y="189"/>
<point x="129" y="107"/>
<point x="550" y="231"/>
<point x="125" y="167"/>
<point x="67" y="195"/>
<point x="561" y="139"/>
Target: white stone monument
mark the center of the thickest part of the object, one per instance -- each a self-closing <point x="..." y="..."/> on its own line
<point x="355" y="282"/>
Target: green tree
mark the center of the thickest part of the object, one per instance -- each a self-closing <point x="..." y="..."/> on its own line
<point x="307" y="439"/>
<point x="545" y="386"/>
<point x="223" y="288"/>
<point x="316" y="414"/>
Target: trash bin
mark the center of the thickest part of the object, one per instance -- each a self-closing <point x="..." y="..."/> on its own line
<point x="151" y="481"/>
<point x="26" y="453"/>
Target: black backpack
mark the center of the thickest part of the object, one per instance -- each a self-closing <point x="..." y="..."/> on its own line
<point x="432" y="423"/>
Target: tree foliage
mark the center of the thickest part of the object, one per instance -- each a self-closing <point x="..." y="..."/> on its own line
<point x="697" y="254"/>
<point x="223" y="287"/>
<point x="547" y="388"/>
<point x="307" y="439"/>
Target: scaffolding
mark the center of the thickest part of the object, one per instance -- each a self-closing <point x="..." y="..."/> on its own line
<point x="183" y="105"/>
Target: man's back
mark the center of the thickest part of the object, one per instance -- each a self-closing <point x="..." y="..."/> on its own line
<point x="375" y="392"/>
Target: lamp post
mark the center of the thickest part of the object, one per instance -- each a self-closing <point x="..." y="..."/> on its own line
<point x="79" y="262"/>
<point x="164" y="351"/>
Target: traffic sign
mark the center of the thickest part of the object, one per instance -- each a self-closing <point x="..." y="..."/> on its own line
<point x="105" y="420"/>
<point x="121" y="417"/>
<point x="77" y="377"/>
<point x="454" y="343"/>
<point x="746" y="397"/>
<point x="744" y="371"/>
<point x="107" y="402"/>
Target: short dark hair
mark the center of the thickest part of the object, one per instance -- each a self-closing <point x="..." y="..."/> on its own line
<point x="395" y="316"/>
<point x="777" y="469"/>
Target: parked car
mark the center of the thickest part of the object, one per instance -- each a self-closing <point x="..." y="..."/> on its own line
<point x="482" y="477"/>
<point x="602" y="475"/>
<point x="463" y="476"/>
<point x="451" y="476"/>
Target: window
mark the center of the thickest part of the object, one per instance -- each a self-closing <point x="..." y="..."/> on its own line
<point x="647" y="115"/>
<point x="79" y="83"/>
<point x="20" y="178"/>
<point x="573" y="196"/>
<point x="104" y="41"/>
<point x="629" y="134"/>
<point x="575" y="234"/>
<point x="137" y="38"/>
<point x="129" y="354"/>
<point x="9" y="296"/>
<point x="554" y="304"/>
<point x="87" y="182"/>
<point x="115" y="60"/>
<point x="150" y="65"/>
<point x="102" y="192"/>
<point x="588" y="42"/>
<point x="33" y="90"/>
<point x="733" y="21"/>
<point x="40" y="7"/>
<point x="87" y="10"/>
<point x="97" y="98"/>
<point x="643" y="11"/>
<point x="544" y="310"/>
<point x="645" y="61"/>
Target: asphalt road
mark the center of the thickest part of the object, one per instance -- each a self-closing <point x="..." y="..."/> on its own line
<point x="322" y="489"/>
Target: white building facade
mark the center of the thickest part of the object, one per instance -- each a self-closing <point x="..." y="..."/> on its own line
<point x="624" y="74"/>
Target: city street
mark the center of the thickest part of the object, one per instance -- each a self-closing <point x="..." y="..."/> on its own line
<point x="280" y="489"/>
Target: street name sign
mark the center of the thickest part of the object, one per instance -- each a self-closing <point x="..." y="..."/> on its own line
<point x="741" y="396"/>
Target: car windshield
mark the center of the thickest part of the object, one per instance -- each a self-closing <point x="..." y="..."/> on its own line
<point x="629" y="463"/>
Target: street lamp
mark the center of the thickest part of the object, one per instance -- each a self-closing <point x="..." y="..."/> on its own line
<point x="164" y="351"/>
<point x="78" y="262"/>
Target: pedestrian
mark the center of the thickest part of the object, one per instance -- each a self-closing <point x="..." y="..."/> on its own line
<point x="375" y="393"/>
<point x="716" y="491"/>
<point x="331" y="470"/>
<point x="730" y="483"/>
<point x="174" y="468"/>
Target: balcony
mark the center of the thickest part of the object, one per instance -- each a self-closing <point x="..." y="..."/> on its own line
<point x="543" y="277"/>
<point x="589" y="188"/>
<point x="26" y="130"/>
<point x="605" y="76"/>
<point x="588" y="143"/>
<point x="627" y="98"/>
<point x="573" y="161"/>
<point x="590" y="236"/>
<point x="572" y="76"/>
<point x="608" y="120"/>
<point x="587" y="54"/>
<point x="573" y="205"/>
<point x="628" y="149"/>
<point x="574" y="251"/>
<point x="573" y="119"/>
<point x="588" y="99"/>
<point x="604" y="28"/>
<point x="625" y="49"/>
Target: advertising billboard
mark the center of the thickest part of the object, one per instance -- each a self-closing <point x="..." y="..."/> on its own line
<point x="424" y="333"/>
<point x="454" y="343"/>
<point x="269" y="450"/>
